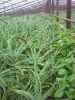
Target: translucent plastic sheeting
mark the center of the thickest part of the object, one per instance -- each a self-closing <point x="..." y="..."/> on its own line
<point x="13" y="6"/>
<point x="24" y="6"/>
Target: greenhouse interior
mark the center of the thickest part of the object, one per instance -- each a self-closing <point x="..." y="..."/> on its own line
<point x="37" y="49"/>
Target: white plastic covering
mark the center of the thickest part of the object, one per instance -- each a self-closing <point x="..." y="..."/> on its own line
<point x="11" y="6"/>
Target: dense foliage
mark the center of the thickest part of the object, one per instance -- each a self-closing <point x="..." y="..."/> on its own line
<point x="37" y="60"/>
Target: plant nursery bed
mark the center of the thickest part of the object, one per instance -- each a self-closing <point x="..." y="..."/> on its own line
<point x="37" y="59"/>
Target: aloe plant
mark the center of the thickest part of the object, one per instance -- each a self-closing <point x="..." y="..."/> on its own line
<point x="36" y="59"/>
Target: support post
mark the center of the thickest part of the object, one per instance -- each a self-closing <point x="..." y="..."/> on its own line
<point x="57" y="9"/>
<point x="48" y="6"/>
<point x="68" y="23"/>
<point x="52" y="6"/>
